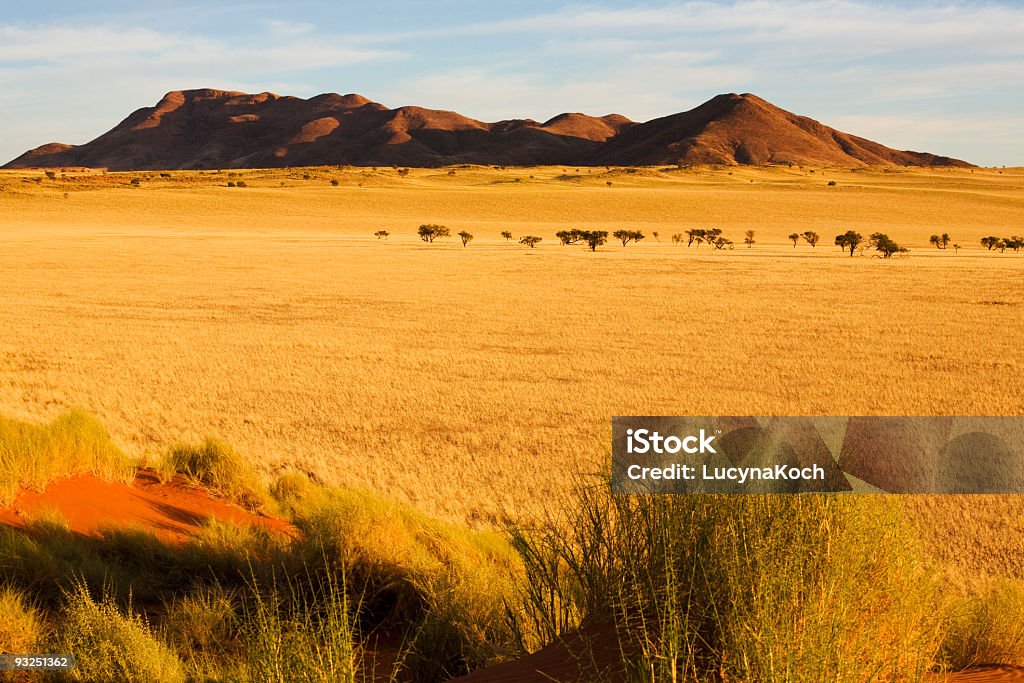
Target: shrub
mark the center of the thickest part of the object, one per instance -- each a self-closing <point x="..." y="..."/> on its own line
<point x="218" y="466"/>
<point x="381" y="234"/>
<point x="240" y="183"/>
<point x="231" y="183"/>
<point x="111" y="645"/>
<point x="334" y="182"/>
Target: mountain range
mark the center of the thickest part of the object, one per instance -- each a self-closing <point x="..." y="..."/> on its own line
<point x="209" y="129"/>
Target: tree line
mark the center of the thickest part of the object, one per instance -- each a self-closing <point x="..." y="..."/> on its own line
<point x="849" y="241"/>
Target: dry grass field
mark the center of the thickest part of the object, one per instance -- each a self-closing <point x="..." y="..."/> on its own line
<point x="475" y="382"/>
<point x="441" y="385"/>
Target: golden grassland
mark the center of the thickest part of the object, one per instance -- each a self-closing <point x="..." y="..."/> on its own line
<point x="475" y="382"/>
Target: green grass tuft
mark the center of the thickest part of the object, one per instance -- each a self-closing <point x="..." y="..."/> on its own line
<point x="32" y="455"/>
<point x="216" y="465"/>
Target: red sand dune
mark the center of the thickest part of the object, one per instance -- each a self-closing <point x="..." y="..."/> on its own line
<point x="212" y="129"/>
<point x="172" y="510"/>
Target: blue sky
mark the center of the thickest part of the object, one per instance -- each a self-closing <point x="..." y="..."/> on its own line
<point x="939" y="77"/>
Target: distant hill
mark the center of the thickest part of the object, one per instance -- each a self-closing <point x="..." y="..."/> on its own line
<point x="203" y="129"/>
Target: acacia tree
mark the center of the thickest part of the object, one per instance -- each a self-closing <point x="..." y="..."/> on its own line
<point x="795" y="237"/>
<point x="627" y="236"/>
<point x="429" y="232"/>
<point x="530" y="241"/>
<point x="989" y="242"/>
<point x="381" y="234"/>
<point x="466" y="237"/>
<point x="695" y="235"/>
<point x="849" y="240"/>
<point x="507" y="235"/>
<point x="748" y="238"/>
<point x="677" y="238"/>
<point x="811" y="237"/>
<point x="884" y="245"/>
<point x="573" y="236"/>
<point x="656" y="236"/>
<point x="721" y="243"/>
<point x="1014" y="242"/>
<point x="956" y="248"/>
<point x="594" y="238"/>
<point x="711" y="236"/>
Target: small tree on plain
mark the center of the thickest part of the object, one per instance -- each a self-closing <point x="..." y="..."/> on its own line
<point x="989" y="242"/>
<point x="566" y="237"/>
<point x="956" y="248"/>
<point x="849" y="240"/>
<point x="381" y="234"/>
<point x="627" y="236"/>
<point x="695" y="235"/>
<point x="795" y="237"/>
<point x="720" y="242"/>
<point x="530" y="241"/>
<point x="748" y="238"/>
<point x="811" y="237"/>
<point x="507" y="235"/>
<point x="466" y="237"/>
<point x="884" y="245"/>
<point x="431" y="231"/>
<point x="656" y="236"/>
<point x="1014" y="242"/>
<point x="594" y="238"/>
<point x="677" y="238"/>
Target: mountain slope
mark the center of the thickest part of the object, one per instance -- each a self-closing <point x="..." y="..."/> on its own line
<point x="222" y="129"/>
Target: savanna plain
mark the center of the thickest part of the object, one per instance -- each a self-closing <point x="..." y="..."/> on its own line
<point x="448" y="408"/>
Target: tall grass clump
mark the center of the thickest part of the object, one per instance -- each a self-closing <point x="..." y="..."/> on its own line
<point x="21" y="625"/>
<point x="217" y="465"/>
<point x="32" y="455"/>
<point x="765" y="588"/>
<point x="986" y="627"/>
<point x="443" y="587"/>
<point x="302" y="628"/>
<point x="112" y="645"/>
